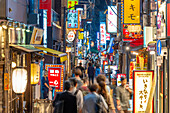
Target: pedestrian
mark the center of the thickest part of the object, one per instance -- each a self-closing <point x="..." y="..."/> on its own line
<point x="109" y="100"/>
<point x="102" y="77"/>
<point x="45" y="85"/>
<point x="91" y="73"/>
<point x="78" y="93"/>
<point x="90" y="100"/>
<point x="97" y="70"/>
<point x="69" y="100"/>
<point x="82" y="69"/>
<point x="84" y="88"/>
<point x="77" y="76"/>
<point x="123" y="95"/>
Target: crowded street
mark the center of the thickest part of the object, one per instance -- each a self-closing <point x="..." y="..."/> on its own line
<point x="84" y="56"/>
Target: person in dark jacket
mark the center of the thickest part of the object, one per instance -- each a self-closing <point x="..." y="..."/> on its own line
<point x="70" y="103"/>
<point x="91" y="73"/>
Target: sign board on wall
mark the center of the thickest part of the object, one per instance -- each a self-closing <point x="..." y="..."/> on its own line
<point x="55" y="76"/>
<point x="168" y="20"/>
<point x="131" y="11"/>
<point x="119" y="78"/>
<point x="73" y="22"/>
<point x="6" y="81"/>
<point x="102" y="33"/>
<point x="142" y="81"/>
<point x="112" y="19"/>
<point x="36" y="37"/>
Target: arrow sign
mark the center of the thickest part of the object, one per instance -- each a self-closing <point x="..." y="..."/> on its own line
<point x="159" y="47"/>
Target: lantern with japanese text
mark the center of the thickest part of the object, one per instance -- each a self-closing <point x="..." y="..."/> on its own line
<point x="19" y="80"/>
<point x="35" y="73"/>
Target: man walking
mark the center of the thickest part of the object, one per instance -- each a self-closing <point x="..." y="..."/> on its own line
<point x="91" y="73"/>
<point x="123" y="96"/>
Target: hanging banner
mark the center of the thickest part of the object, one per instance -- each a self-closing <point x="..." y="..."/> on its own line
<point x="46" y="4"/>
<point x="71" y="4"/>
<point x="112" y="19"/>
<point x="55" y="76"/>
<point x="102" y="33"/>
<point x="73" y="22"/>
<point x="131" y="11"/>
<point x="142" y="81"/>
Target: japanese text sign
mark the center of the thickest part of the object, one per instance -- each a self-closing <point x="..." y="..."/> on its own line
<point x="142" y="87"/>
<point x="102" y="33"/>
<point x="131" y="11"/>
<point x="71" y="4"/>
<point x="6" y="81"/>
<point x="107" y="36"/>
<point x="119" y="78"/>
<point x="112" y="19"/>
<point x="56" y="76"/>
<point x="73" y="20"/>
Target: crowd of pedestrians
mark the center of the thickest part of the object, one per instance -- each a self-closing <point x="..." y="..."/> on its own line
<point x="87" y="92"/>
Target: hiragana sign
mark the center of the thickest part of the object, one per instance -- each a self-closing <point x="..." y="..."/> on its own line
<point x="142" y="81"/>
<point x="131" y="11"/>
<point x="73" y="20"/>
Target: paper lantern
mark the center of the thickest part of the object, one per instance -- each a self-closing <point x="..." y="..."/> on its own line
<point x="35" y="73"/>
<point x="19" y="80"/>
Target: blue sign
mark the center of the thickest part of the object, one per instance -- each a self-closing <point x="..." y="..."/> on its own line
<point x="159" y="47"/>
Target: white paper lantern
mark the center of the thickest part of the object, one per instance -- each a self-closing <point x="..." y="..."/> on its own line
<point x="19" y="80"/>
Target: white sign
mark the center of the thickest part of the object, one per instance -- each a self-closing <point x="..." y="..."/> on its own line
<point x="71" y="36"/>
<point x="142" y="87"/>
<point x="112" y="19"/>
<point x="102" y="33"/>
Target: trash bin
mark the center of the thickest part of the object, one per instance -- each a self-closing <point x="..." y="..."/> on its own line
<point x="42" y="106"/>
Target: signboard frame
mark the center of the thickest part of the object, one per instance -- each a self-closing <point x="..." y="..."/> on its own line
<point x="134" y="85"/>
<point x="62" y="67"/>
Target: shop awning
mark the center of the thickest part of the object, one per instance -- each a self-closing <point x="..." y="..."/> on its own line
<point x="25" y="48"/>
<point x="63" y="56"/>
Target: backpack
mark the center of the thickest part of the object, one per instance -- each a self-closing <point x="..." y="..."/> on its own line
<point x="100" y="107"/>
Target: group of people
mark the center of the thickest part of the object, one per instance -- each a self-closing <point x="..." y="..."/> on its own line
<point x="81" y="97"/>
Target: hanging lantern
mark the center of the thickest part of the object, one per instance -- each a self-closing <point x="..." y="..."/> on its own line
<point x="35" y="73"/>
<point x="19" y="80"/>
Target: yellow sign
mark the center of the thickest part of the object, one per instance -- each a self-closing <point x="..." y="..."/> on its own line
<point x="131" y="11"/>
<point x="6" y="81"/>
<point x="81" y="35"/>
<point x="71" y="4"/>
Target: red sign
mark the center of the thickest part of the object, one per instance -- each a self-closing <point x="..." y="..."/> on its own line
<point x="56" y="76"/>
<point x="107" y="36"/>
<point x="46" y="4"/>
<point x="168" y="19"/>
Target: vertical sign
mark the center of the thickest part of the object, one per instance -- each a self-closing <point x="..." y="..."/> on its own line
<point x="119" y="78"/>
<point x="6" y="81"/>
<point x="142" y="81"/>
<point x="98" y="41"/>
<point x="73" y="20"/>
<point x="102" y="33"/>
<point x="107" y="36"/>
<point x="71" y="4"/>
<point x="56" y="76"/>
<point x="168" y="20"/>
<point x="112" y="19"/>
<point x="46" y="4"/>
<point x="131" y="11"/>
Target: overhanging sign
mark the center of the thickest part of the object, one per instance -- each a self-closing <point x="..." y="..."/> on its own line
<point x="73" y="22"/>
<point x="131" y="11"/>
<point x="159" y="47"/>
<point x="71" y="4"/>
